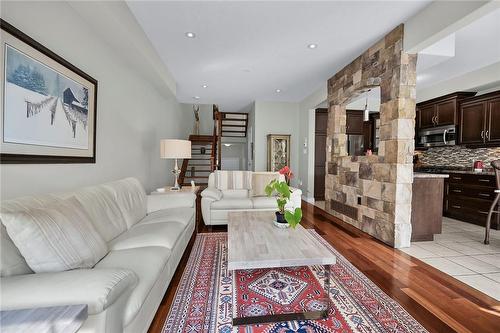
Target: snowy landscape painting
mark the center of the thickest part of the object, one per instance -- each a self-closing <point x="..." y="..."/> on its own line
<point x="48" y="109"/>
<point x="42" y="106"/>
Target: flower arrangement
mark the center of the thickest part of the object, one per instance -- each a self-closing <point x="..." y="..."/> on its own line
<point x="283" y="190"/>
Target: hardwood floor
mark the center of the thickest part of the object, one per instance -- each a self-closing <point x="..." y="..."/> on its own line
<point x="438" y="301"/>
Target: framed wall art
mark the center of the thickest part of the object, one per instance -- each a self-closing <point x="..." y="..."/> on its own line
<point x="278" y="151"/>
<point x="48" y="106"/>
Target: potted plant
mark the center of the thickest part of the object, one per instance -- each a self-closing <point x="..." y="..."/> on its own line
<point x="284" y="218"/>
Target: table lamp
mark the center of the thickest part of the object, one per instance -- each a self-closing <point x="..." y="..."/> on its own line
<point x="171" y="148"/>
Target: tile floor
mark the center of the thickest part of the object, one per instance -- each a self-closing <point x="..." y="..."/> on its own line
<point x="459" y="251"/>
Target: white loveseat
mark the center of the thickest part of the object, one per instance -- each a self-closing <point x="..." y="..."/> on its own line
<point x="146" y="237"/>
<point x="217" y="203"/>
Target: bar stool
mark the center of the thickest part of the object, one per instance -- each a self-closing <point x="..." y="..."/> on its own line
<point x="496" y="166"/>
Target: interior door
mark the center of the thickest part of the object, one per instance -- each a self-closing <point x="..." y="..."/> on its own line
<point x="493" y="124"/>
<point x="321" y="124"/>
<point x="472" y="122"/>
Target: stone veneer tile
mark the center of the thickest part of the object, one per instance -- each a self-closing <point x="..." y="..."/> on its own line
<point x="344" y="209"/>
<point x="374" y="178"/>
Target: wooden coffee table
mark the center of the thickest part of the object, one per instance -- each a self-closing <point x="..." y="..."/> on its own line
<point x="254" y="242"/>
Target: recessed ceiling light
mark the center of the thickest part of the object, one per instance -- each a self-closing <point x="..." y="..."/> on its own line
<point x="196" y="97"/>
<point x="190" y="34"/>
<point x="204" y="86"/>
<point x="312" y="46"/>
<point x="278" y="90"/>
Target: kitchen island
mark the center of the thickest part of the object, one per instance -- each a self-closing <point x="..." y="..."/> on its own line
<point x="427" y="205"/>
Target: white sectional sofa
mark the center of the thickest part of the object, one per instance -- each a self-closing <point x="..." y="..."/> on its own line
<point x="146" y="237"/>
<point x="217" y="203"/>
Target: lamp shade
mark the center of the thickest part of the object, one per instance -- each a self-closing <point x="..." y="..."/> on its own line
<point x="171" y="148"/>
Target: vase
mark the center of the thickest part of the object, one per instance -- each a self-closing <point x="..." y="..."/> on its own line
<point x="280" y="221"/>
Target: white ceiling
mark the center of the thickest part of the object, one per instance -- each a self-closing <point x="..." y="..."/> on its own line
<point x="475" y="46"/>
<point x="244" y="51"/>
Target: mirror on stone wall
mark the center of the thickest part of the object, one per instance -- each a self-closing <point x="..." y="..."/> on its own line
<point x="363" y="123"/>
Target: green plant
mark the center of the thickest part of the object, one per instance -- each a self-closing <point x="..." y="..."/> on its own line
<point x="283" y="191"/>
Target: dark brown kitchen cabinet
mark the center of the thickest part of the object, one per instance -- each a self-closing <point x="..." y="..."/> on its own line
<point x="354" y="122"/>
<point x="472" y="118"/>
<point x="468" y="197"/>
<point x="493" y="120"/>
<point x="440" y="111"/>
<point x="427" y="114"/>
<point x="480" y="120"/>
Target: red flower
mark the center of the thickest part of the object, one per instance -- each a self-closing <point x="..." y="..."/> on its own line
<point x="286" y="172"/>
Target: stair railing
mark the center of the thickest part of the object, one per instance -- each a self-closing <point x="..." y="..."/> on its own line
<point x="215" y="154"/>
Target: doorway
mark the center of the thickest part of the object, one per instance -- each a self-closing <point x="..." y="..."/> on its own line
<point x="320" y="127"/>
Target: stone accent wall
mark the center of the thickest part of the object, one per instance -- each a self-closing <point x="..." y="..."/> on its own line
<point x="458" y="156"/>
<point x="382" y="184"/>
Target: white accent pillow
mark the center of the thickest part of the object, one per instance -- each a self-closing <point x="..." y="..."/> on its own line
<point x="56" y="238"/>
<point x="259" y="182"/>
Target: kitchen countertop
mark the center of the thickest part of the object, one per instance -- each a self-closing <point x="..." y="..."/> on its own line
<point x="448" y="170"/>
<point x="429" y="175"/>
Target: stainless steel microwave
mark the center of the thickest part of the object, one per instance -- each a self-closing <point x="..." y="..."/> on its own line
<point x="437" y="136"/>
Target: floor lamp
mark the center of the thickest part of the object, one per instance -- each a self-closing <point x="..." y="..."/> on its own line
<point x="174" y="149"/>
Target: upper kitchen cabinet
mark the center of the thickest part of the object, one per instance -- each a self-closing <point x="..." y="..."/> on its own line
<point x="440" y="111"/>
<point x="354" y="122"/>
<point x="493" y="120"/>
<point x="480" y="120"/>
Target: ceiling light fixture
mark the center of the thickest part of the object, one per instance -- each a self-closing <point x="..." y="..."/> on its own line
<point x="278" y="90"/>
<point x="196" y="97"/>
<point x="204" y="86"/>
<point x="190" y="34"/>
<point x="312" y="46"/>
<point x="366" y="112"/>
<point x="227" y="144"/>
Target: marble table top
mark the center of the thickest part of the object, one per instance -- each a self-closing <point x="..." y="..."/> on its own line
<point x="254" y="242"/>
<point x="55" y="319"/>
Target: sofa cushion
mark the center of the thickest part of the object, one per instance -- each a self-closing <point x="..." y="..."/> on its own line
<point x="264" y="203"/>
<point x="232" y="204"/>
<point x="98" y="288"/>
<point x="147" y="263"/>
<point x="182" y="215"/>
<point x="233" y="180"/>
<point x="234" y="194"/>
<point x="131" y="199"/>
<point x="260" y="181"/>
<point x="11" y="260"/>
<point x="154" y="234"/>
<point x="102" y="207"/>
<point x="56" y="238"/>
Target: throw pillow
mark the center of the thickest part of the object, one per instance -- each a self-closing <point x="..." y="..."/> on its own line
<point x="260" y="181"/>
<point x="57" y="237"/>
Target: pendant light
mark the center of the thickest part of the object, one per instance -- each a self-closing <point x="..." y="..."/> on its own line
<point x="366" y="114"/>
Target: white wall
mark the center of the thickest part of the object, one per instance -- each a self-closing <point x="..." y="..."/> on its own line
<point x="132" y="115"/>
<point x="206" y="118"/>
<point x="276" y="118"/>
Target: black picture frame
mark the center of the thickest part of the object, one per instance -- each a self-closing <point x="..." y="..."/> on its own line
<point x="12" y="158"/>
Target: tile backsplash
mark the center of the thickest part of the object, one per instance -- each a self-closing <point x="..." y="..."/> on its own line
<point x="458" y="156"/>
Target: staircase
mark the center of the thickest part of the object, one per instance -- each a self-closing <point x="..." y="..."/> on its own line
<point x="199" y="166"/>
<point x="206" y="149"/>
<point x="234" y="124"/>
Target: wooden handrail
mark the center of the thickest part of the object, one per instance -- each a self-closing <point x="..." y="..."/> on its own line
<point x="216" y="134"/>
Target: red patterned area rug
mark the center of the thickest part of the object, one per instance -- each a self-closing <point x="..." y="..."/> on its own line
<point x="209" y="294"/>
